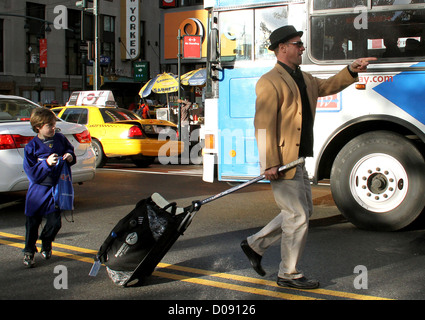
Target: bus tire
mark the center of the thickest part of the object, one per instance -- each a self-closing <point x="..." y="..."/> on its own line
<point x="98" y="151"/>
<point x="378" y="180"/>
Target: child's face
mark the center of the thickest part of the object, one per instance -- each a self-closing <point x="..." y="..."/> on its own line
<point x="47" y="130"/>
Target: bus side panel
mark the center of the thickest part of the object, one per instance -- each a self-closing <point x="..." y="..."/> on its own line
<point x="238" y="152"/>
<point x="395" y="94"/>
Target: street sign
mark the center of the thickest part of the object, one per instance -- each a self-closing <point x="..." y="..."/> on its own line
<point x="104" y="60"/>
<point x="192" y="47"/>
<point x="141" y="71"/>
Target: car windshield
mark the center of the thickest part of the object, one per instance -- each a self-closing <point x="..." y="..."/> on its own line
<point x="12" y="109"/>
<point x="117" y="114"/>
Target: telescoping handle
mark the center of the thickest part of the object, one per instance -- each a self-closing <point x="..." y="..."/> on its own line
<point x="252" y="181"/>
<point x="196" y="205"/>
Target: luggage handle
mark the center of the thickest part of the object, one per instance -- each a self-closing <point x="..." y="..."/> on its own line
<point x="196" y="205"/>
<point x="252" y="181"/>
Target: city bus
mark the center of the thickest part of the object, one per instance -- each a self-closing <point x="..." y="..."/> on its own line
<point x="368" y="139"/>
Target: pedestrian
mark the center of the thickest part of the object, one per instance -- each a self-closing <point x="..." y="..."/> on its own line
<point x="185" y="111"/>
<point x="285" y="110"/>
<point x="41" y="156"/>
<point x="143" y="110"/>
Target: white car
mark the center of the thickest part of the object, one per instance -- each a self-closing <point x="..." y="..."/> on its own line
<point x="16" y="132"/>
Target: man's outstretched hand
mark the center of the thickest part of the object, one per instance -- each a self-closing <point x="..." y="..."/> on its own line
<point x="360" y="65"/>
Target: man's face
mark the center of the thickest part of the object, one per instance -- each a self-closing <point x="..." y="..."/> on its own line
<point x="291" y="52"/>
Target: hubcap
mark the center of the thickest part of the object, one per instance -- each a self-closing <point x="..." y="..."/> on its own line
<point x="378" y="182"/>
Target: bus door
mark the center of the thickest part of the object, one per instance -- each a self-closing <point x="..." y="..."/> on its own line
<point x="244" y="57"/>
<point x="238" y="155"/>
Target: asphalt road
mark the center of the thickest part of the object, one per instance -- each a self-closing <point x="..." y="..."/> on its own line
<point x="206" y="263"/>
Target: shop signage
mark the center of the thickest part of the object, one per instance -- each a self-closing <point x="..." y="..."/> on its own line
<point x="43" y="53"/>
<point x="141" y="71"/>
<point x="132" y="29"/>
<point x="168" y="3"/>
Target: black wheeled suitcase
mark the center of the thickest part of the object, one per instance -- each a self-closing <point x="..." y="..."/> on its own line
<point x="141" y="239"/>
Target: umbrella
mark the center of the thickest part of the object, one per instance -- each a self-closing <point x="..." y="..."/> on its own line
<point x="162" y="83"/>
<point x="194" y="78"/>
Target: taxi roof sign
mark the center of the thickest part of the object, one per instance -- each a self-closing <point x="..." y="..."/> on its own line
<point x="98" y="98"/>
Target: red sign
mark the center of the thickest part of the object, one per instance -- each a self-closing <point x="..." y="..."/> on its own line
<point x="43" y="53"/>
<point x="192" y="47"/>
<point x="168" y="3"/>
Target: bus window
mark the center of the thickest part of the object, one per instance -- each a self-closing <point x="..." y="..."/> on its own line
<point x="337" y="4"/>
<point x="267" y="20"/>
<point x="389" y="35"/>
<point x="236" y="35"/>
<point x="394" y="2"/>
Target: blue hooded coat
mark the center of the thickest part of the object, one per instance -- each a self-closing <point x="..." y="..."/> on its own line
<point x="39" y="199"/>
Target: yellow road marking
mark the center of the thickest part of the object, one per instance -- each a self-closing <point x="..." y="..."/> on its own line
<point x="59" y="245"/>
<point x="196" y="280"/>
<point x="235" y="287"/>
<point x="267" y="282"/>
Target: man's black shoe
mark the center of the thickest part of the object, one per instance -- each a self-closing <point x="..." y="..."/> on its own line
<point x="300" y="283"/>
<point x="253" y="257"/>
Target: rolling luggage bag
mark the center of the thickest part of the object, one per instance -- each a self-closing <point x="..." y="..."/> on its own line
<point x="141" y="239"/>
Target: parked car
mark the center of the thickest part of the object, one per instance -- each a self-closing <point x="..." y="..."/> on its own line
<point x="120" y="133"/>
<point x="16" y="132"/>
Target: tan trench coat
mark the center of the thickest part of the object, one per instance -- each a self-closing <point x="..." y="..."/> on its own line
<point x="279" y="113"/>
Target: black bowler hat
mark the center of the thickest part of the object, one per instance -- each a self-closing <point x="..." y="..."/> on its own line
<point x="283" y="34"/>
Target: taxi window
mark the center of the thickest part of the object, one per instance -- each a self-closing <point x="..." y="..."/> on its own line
<point x="116" y="114"/>
<point x="75" y="115"/>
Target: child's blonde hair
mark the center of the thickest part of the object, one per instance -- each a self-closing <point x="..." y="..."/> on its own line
<point x="41" y="116"/>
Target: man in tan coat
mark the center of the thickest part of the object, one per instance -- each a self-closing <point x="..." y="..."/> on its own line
<point x="285" y="111"/>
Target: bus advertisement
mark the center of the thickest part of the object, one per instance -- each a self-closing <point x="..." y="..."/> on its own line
<point x="368" y="139"/>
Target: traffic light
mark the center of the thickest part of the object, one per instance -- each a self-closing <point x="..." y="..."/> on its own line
<point x="81" y="4"/>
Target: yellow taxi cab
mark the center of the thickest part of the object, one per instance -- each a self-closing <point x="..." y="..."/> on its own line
<point x="118" y="132"/>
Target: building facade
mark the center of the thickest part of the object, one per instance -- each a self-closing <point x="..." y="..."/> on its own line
<point x="48" y="71"/>
<point x="43" y="49"/>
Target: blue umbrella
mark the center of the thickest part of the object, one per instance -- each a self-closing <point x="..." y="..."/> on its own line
<point x="194" y="78"/>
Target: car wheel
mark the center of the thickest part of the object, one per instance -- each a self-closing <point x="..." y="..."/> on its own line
<point x="100" y="155"/>
<point x="377" y="181"/>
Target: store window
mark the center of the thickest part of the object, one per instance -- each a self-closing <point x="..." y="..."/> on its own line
<point x="73" y="38"/>
<point x="35" y="30"/>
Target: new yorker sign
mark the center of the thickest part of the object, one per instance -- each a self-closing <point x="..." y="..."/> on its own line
<point x="132" y="27"/>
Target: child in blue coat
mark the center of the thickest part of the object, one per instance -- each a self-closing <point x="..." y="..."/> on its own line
<point x="40" y="164"/>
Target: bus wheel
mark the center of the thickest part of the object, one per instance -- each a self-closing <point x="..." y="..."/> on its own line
<point x="377" y="181"/>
